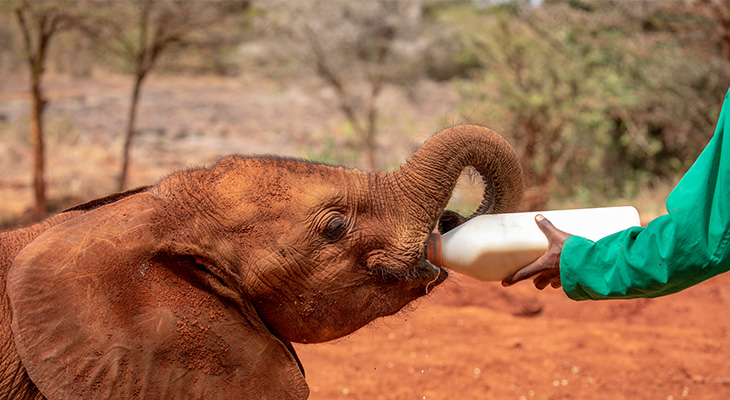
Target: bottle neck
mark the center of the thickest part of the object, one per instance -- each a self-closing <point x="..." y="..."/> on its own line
<point x="433" y="250"/>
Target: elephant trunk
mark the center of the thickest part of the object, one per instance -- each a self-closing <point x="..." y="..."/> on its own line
<point x="428" y="178"/>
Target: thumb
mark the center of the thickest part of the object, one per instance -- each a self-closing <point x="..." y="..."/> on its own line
<point x="544" y="224"/>
<point x="552" y="233"/>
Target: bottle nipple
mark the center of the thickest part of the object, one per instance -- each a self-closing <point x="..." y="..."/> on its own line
<point x="433" y="250"/>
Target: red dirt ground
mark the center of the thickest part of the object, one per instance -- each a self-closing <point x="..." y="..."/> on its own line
<point x="477" y="340"/>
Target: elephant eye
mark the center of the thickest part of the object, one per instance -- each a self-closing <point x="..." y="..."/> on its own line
<point x="335" y="229"/>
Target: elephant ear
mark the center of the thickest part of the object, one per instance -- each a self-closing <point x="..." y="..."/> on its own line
<point x="102" y="309"/>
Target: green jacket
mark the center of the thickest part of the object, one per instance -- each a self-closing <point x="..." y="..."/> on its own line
<point x="674" y="251"/>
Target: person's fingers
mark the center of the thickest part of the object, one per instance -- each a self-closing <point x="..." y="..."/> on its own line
<point x="548" y="261"/>
<point x="525" y="273"/>
<point x="556" y="283"/>
<point x="508" y="281"/>
<point x="543" y="280"/>
<point x="544" y="224"/>
<point x="552" y="233"/>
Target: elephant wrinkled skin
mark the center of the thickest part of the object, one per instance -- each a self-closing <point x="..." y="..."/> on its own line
<point x="197" y="286"/>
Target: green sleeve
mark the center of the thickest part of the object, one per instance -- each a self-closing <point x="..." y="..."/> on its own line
<point x="675" y="251"/>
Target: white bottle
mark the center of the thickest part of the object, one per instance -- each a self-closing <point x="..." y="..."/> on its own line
<point x="493" y="247"/>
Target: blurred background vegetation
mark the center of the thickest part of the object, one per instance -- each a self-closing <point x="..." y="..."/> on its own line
<point x="607" y="102"/>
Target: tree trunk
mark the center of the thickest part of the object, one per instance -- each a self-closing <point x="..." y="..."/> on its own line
<point x="369" y="139"/>
<point x="36" y="132"/>
<point x="36" y="57"/>
<point x="371" y="123"/>
<point x="130" y="131"/>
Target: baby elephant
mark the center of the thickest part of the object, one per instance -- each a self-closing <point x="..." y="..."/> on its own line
<point x="197" y="287"/>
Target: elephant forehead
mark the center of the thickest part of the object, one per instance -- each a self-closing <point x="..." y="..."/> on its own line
<point x="277" y="175"/>
<point x="278" y="189"/>
<point x="258" y="187"/>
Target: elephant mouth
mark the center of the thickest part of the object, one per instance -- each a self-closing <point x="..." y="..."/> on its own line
<point x="425" y="276"/>
<point x="420" y="278"/>
<point x="441" y="275"/>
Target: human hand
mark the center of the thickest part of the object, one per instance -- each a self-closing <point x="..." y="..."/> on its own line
<point x="546" y="269"/>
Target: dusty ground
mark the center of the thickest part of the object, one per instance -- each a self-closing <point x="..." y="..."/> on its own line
<point x="475" y="340"/>
<point x="466" y="340"/>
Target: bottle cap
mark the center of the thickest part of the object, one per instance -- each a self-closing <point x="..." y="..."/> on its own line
<point x="433" y="250"/>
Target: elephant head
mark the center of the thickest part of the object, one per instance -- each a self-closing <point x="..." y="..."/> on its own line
<point x="197" y="286"/>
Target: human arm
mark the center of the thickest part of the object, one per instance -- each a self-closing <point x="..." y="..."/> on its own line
<point x="677" y="250"/>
